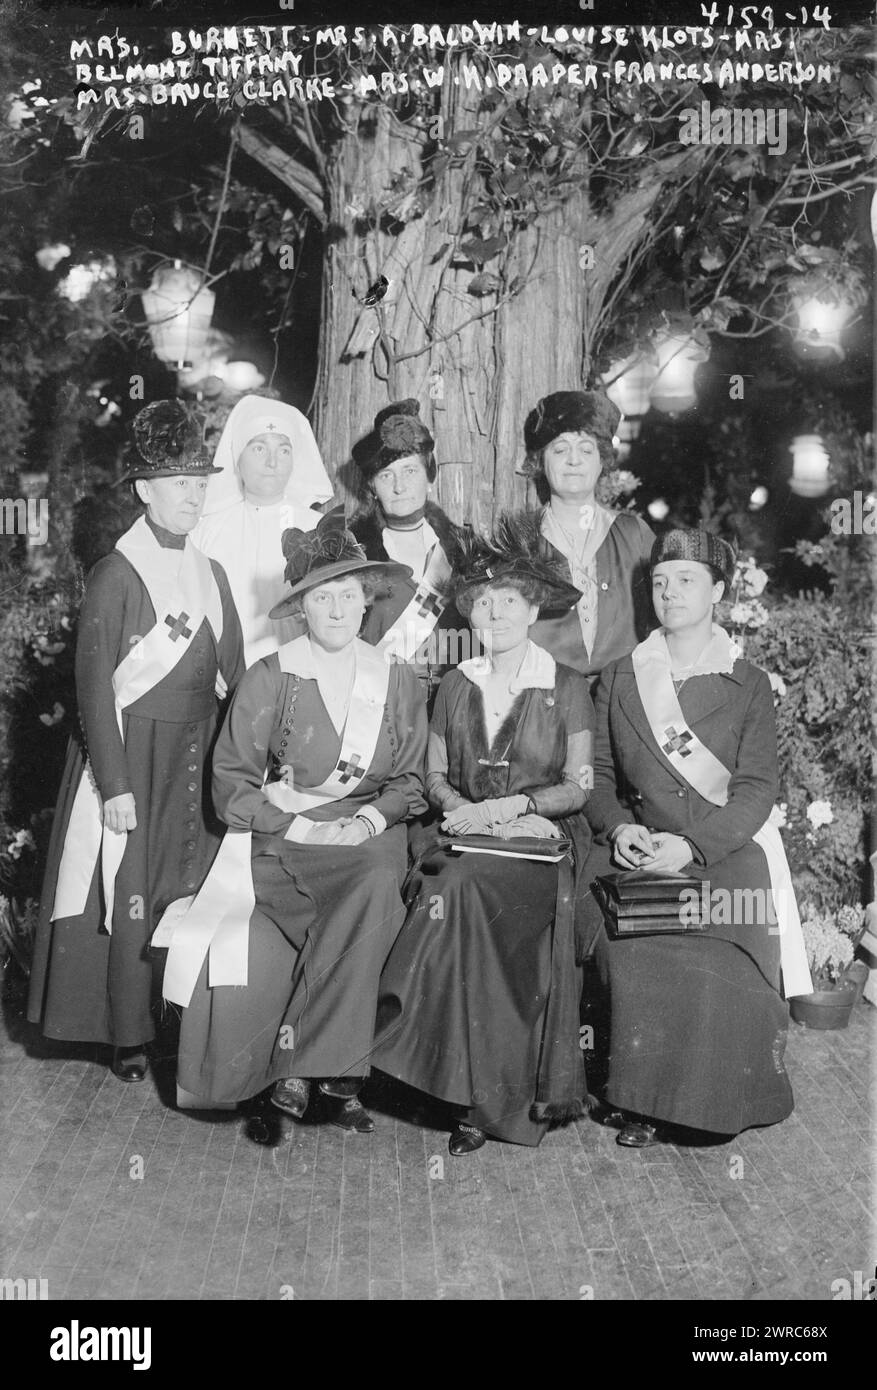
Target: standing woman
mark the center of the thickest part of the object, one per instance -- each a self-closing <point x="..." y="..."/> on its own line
<point x="568" y="437"/>
<point x="685" y="780"/>
<point x="269" y="476"/>
<point x="158" y="642"/>
<point x="317" y="767"/>
<point x="479" y="998"/>
<point x="414" y="621"/>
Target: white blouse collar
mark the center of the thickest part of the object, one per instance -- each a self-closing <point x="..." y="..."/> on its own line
<point x="537" y="671"/>
<point x="718" y="657"/>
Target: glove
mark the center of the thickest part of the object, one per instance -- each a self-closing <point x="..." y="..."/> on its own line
<point x="501" y="810"/>
<point x="537" y="826"/>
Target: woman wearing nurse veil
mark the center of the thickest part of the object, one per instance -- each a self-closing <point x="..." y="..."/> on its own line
<point x="685" y="779"/>
<point x="270" y="477"/>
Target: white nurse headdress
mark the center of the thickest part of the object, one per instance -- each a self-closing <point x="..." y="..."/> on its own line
<point x="308" y="481"/>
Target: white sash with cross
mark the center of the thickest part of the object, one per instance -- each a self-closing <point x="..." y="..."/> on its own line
<point x="215" y="923"/>
<point x="181" y="602"/>
<point x="693" y="761"/>
<point x="415" y="623"/>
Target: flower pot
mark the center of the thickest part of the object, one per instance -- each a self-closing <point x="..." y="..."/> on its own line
<point x="824" y="1008"/>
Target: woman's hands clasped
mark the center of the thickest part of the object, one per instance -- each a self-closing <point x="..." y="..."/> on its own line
<point x="348" y="830"/>
<point x="634" y="847"/>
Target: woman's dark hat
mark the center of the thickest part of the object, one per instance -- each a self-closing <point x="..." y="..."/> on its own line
<point x="398" y="431"/>
<point x="168" y="441"/>
<point x="570" y="411"/>
<point x="516" y="550"/>
<point x="700" y="546"/>
<point x="328" y="552"/>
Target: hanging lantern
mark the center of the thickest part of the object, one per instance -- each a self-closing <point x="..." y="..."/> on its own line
<point x="178" y="313"/>
<point x="810" y="466"/>
<point x="821" y="322"/>
<point x="658" y="510"/>
<point x="758" y="498"/>
<point x="628" y="432"/>
<point x="628" y="384"/>
<point x="679" y="356"/>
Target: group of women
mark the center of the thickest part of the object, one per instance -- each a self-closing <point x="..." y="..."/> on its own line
<point x="404" y="879"/>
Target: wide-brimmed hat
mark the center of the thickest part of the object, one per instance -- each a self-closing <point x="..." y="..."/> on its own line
<point x="701" y="546"/>
<point x="516" y="550"/>
<point x="168" y="441"/>
<point x="571" y="411"/>
<point x="328" y="552"/>
<point x="397" y="432"/>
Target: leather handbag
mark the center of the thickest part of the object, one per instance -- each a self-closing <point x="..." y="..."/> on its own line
<point x="642" y="902"/>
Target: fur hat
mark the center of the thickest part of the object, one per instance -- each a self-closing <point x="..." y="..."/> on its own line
<point x="168" y="441"/>
<point x="590" y="411"/>
<point x="516" y="550"/>
<point x="702" y="546"/>
<point x="328" y="552"/>
<point x="398" y="432"/>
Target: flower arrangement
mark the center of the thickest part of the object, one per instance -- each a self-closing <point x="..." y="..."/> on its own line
<point x="830" y="940"/>
<point x="817" y="654"/>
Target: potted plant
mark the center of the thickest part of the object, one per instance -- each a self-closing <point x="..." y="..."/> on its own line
<point x="830" y="940"/>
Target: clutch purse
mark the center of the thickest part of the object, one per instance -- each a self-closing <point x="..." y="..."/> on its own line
<point x="520" y="847"/>
<point x="641" y="902"/>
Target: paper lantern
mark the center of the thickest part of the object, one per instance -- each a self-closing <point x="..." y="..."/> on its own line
<point x="658" y="510"/>
<point x="758" y="498"/>
<point x="629" y="384"/>
<point x="679" y="356"/>
<point x="810" y="466"/>
<point x="821" y="322"/>
<point x="178" y="314"/>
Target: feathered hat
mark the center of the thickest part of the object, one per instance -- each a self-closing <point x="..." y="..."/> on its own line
<point x="702" y="546"/>
<point x="328" y="552"/>
<point x="516" y="550"/>
<point x="398" y="432"/>
<point x="168" y="441"/>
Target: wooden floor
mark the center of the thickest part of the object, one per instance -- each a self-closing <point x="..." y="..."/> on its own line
<point x="106" y="1191"/>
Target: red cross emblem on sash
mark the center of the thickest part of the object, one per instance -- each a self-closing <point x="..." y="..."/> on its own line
<point x="349" y="769"/>
<point x="178" y="627"/>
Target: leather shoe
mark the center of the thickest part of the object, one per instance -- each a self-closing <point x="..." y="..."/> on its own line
<point x="351" y="1114"/>
<point x="637" y="1134"/>
<point x="465" y="1140"/>
<point x="292" y="1095"/>
<point x="127" y="1065"/>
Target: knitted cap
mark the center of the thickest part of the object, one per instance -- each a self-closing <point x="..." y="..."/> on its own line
<point x="701" y="546"/>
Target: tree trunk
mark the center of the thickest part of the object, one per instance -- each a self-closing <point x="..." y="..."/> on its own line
<point x="477" y="365"/>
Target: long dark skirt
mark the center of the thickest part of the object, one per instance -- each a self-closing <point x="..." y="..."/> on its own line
<point x="464" y="993"/>
<point x="88" y="985"/>
<point x="324" y="922"/>
<point x="697" y="1024"/>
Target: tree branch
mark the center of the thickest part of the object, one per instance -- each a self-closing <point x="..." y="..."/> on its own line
<point x="303" y="182"/>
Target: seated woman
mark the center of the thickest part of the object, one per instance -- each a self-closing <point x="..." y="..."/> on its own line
<point x="479" y="997"/>
<point x="685" y="778"/>
<point x="318" y="764"/>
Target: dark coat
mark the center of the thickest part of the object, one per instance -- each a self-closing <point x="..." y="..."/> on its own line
<point x="732" y="715"/>
<point x="86" y="985"/>
<point x="697" y="1022"/>
<point x="624" y="606"/>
